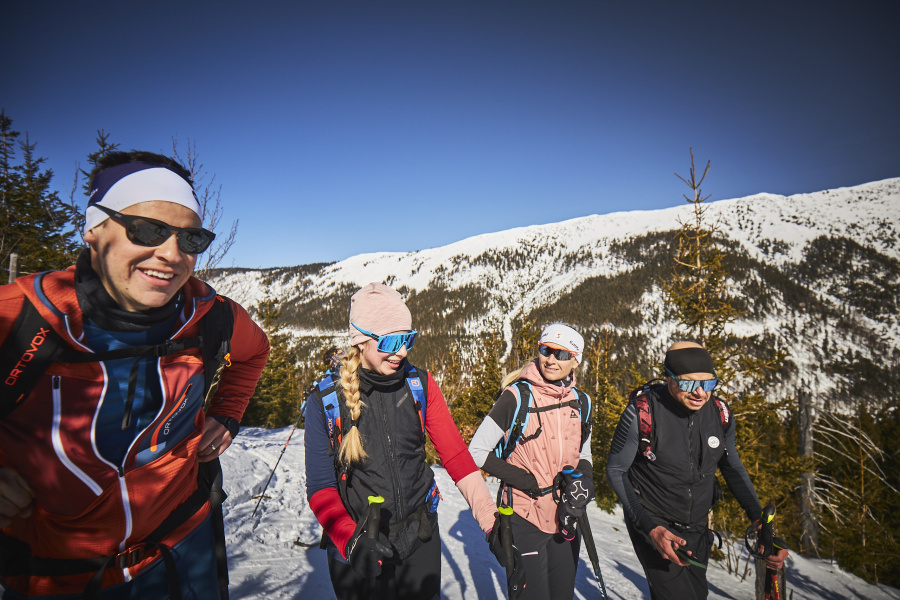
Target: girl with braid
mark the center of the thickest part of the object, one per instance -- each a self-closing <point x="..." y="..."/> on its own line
<point x="376" y="448"/>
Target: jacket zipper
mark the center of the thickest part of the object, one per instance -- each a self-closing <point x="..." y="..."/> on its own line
<point x="394" y="479"/>
<point x="691" y="462"/>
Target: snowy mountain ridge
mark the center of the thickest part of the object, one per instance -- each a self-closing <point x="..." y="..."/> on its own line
<point x="491" y="281"/>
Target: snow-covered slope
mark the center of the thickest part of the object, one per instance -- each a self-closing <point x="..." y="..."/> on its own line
<point x="868" y="213"/>
<point x="265" y="563"/>
<point x="798" y="289"/>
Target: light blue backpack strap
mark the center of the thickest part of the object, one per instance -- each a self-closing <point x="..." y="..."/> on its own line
<point x="501" y="450"/>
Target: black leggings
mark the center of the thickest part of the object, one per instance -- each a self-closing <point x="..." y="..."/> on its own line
<point x="417" y="577"/>
<point x="667" y="580"/>
<point x="550" y="561"/>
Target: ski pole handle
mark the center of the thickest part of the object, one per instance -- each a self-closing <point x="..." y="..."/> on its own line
<point x="766" y="533"/>
<point x="373" y="521"/>
<point x="513" y="590"/>
<point x="506" y="538"/>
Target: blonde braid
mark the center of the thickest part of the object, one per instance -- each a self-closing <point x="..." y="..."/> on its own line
<point x="351" y="450"/>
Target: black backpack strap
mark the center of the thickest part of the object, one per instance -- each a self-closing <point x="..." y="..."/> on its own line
<point x="584" y="408"/>
<point x="31" y="346"/>
<point x="216" y="328"/>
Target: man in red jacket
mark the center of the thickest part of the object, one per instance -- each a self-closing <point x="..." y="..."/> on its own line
<point x="102" y="492"/>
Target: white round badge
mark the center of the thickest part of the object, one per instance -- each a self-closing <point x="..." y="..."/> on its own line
<point x="713" y="441"/>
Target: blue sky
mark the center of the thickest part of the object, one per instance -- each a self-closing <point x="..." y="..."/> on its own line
<point x="342" y="127"/>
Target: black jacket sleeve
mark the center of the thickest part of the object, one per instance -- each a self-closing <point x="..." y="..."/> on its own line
<point x="622" y="453"/>
<point x="736" y="476"/>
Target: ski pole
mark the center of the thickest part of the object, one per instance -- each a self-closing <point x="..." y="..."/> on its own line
<point x="585" y="527"/>
<point x="265" y="487"/>
<point x="506" y="513"/>
<point x="565" y="477"/>
<point x="373" y="523"/>
<point x="766" y="539"/>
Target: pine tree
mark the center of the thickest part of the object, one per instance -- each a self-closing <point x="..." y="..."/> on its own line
<point x="276" y="401"/>
<point x="473" y="404"/>
<point x="856" y="488"/>
<point x="702" y="292"/>
<point x="607" y="374"/>
<point x="34" y="223"/>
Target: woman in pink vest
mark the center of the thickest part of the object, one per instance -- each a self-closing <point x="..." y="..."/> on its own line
<point x="544" y="532"/>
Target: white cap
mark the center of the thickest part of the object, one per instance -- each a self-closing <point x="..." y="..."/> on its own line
<point x="562" y="336"/>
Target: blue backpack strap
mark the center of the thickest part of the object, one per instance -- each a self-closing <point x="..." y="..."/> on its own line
<point x="420" y="397"/>
<point x="326" y="392"/>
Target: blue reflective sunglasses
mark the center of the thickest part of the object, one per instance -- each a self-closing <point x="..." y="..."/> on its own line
<point x="392" y="342"/>
<point x="689" y="385"/>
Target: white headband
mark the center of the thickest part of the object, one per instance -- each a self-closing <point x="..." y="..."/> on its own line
<point x="143" y="186"/>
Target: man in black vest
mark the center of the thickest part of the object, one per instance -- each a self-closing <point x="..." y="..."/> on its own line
<point x="668" y="487"/>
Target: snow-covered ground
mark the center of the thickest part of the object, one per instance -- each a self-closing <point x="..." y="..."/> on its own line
<point x="266" y="562"/>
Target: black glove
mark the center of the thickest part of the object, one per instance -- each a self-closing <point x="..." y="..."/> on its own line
<point x="365" y="554"/>
<point x="567" y="520"/>
<point x="573" y="492"/>
<point x="517" y="580"/>
<point x="575" y="495"/>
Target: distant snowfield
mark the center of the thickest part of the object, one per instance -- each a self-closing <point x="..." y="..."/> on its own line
<point x="266" y="563"/>
<point x="553" y="259"/>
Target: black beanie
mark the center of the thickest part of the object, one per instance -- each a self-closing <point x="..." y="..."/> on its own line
<point x="689" y="360"/>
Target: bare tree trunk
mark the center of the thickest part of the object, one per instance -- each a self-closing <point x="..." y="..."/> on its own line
<point x="13" y="266"/>
<point x="809" y="527"/>
<point x="761" y="574"/>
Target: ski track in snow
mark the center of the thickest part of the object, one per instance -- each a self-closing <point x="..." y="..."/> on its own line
<point x="265" y="562"/>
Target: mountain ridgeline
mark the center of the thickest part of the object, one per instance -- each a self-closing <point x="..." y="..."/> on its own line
<point x="818" y="275"/>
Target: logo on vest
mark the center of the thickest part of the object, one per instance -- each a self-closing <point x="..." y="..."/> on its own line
<point x="713" y="441"/>
<point x="574" y="414"/>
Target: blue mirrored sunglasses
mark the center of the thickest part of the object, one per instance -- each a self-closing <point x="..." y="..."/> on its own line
<point x="558" y="353"/>
<point x="689" y="385"/>
<point x="392" y="342"/>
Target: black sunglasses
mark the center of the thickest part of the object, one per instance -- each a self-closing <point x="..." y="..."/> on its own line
<point x="558" y="353"/>
<point x="144" y="231"/>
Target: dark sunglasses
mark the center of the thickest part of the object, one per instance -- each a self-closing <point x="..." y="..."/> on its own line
<point x="392" y="342"/>
<point x="689" y="385"/>
<point x="144" y="231"/>
<point x="557" y="353"/>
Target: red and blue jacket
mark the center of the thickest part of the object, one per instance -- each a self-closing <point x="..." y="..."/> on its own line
<point x="85" y="505"/>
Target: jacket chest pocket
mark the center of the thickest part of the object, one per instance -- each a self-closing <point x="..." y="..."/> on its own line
<point x="713" y="449"/>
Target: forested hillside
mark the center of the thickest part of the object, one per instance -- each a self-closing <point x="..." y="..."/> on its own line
<point x="808" y="301"/>
<point x="817" y="274"/>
